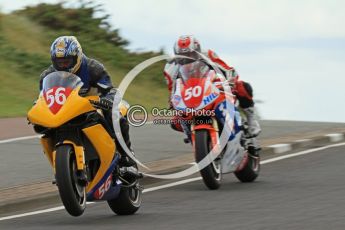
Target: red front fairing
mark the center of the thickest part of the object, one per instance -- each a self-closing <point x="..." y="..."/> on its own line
<point x="55" y="97"/>
<point x="193" y="91"/>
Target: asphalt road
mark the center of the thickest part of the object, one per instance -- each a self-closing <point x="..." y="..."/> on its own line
<point x="304" y="192"/>
<point x="22" y="162"/>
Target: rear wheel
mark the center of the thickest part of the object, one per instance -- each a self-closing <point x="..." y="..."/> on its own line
<point x="211" y="174"/>
<point x="251" y="170"/>
<point x="128" y="201"/>
<point x="72" y="194"/>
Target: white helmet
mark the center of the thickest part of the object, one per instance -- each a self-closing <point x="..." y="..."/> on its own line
<point x="188" y="46"/>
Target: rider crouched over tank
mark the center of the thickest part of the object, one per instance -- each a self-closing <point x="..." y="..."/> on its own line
<point x="67" y="55"/>
<point x="187" y="50"/>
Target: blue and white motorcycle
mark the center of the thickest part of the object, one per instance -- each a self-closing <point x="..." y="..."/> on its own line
<point x="214" y="126"/>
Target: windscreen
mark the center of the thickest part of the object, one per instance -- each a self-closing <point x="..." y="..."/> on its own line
<point x="61" y="79"/>
<point x="57" y="87"/>
<point x="197" y="69"/>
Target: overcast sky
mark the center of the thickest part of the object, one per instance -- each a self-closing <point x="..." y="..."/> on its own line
<point x="293" y="52"/>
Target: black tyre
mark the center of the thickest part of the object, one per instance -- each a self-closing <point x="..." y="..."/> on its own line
<point x="211" y="174"/>
<point x="250" y="171"/>
<point x="128" y="201"/>
<point x="73" y="195"/>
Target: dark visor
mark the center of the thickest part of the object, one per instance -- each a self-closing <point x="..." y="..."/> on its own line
<point x="186" y="58"/>
<point x="64" y="63"/>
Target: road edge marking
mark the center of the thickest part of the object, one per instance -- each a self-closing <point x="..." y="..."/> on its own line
<point x="300" y="153"/>
<point x="62" y="207"/>
<point x="171" y="184"/>
<point x="335" y="137"/>
<point x="19" y="139"/>
<point x="182" y="181"/>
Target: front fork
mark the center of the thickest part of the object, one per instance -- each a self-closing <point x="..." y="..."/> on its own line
<point x="213" y="131"/>
<point x="50" y="153"/>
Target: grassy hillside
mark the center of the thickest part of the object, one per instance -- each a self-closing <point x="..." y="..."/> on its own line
<point x="25" y="38"/>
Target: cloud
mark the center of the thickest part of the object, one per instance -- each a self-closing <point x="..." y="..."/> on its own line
<point x="295" y="83"/>
<point x="293" y="52"/>
<point x="233" y="20"/>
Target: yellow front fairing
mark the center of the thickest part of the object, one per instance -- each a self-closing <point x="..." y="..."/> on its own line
<point x="48" y="149"/>
<point x="75" y="105"/>
<point x="105" y="148"/>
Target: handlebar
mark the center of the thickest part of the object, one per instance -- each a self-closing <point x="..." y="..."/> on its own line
<point x="97" y="104"/>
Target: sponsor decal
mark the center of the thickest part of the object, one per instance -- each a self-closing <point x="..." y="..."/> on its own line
<point x="176" y="100"/>
<point x="210" y="98"/>
<point x="103" y="188"/>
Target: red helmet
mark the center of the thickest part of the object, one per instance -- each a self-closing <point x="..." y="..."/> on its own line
<point x="187" y="45"/>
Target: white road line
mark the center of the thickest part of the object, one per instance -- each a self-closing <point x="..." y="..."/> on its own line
<point x="36" y="212"/>
<point x="62" y="207"/>
<point x="182" y="181"/>
<point x="300" y="153"/>
<point x="19" y="139"/>
<point x="32" y="213"/>
<point x="38" y="136"/>
<point x="171" y="185"/>
<point x="303" y="140"/>
<point x="335" y="137"/>
<point x="280" y="148"/>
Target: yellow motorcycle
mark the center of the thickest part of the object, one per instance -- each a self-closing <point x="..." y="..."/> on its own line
<point x="80" y="147"/>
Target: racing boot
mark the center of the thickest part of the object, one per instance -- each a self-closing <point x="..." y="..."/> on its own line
<point x="180" y="125"/>
<point x="253" y="125"/>
<point x="125" y="160"/>
<point x="187" y="130"/>
<point x="128" y="167"/>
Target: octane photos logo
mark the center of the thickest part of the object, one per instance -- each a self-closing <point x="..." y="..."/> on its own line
<point x="211" y="156"/>
<point x="137" y="115"/>
<point x="156" y="112"/>
<point x="133" y="118"/>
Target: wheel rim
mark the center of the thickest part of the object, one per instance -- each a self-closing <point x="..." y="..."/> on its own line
<point x="134" y="194"/>
<point x="216" y="166"/>
<point x="255" y="163"/>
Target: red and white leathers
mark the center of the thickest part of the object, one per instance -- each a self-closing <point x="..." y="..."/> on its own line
<point x="241" y="89"/>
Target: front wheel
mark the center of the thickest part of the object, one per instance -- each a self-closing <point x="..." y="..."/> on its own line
<point x="72" y="194"/>
<point x="211" y="174"/>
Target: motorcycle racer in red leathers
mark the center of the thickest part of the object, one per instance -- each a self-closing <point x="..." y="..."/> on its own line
<point x="189" y="47"/>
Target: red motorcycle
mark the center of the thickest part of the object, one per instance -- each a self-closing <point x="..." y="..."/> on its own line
<point x="210" y="118"/>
